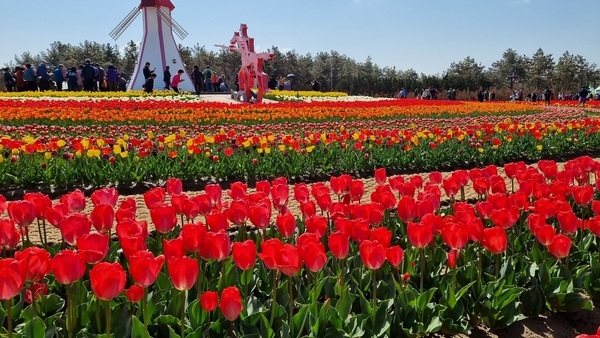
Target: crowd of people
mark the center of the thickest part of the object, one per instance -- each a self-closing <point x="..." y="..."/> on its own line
<point x="86" y="77"/>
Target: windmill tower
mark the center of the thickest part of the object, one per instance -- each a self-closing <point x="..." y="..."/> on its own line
<point x="158" y="44"/>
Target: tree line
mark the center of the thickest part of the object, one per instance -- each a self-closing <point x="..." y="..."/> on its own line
<point x="338" y="72"/>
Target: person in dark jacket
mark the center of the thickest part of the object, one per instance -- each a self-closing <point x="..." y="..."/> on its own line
<point x="72" y="79"/>
<point x="43" y="76"/>
<point x="147" y="71"/>
<point x="149" y="84"/>
<point x="167" y="77"/>
<point x="59" y="77"/>
<point x="29" y="78"/>
<point x="112" y="78"/>
<point x="9" y="80"/>
<point x="198" y="79"/>
<point x="88" y="74"/>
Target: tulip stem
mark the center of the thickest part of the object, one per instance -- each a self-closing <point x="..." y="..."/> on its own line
<point x="422" y="265"/>
<point x="480" y="272"/>
<point x="33" y="297"/>
<point x="497" y="266"/>
<point x="315" y="295"/>
<point x="8" y="305"/>
<point x="374" y="276"/>
<point x="182" y="314"/>
<point x="291" y="306"/>
<point x="45" y="234"/>
<point x="108" y="319"/>
<point x="222" y="281"/>
<point x="145" y="309"/>
<point x="39" y="226"/>
<point x="69" y="320"/>
<point x="273" y="294"/>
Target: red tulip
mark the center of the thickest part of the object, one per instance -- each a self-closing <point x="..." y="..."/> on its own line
<point x="481" y="185"/>
<point x="56" y="214"/>
<point x="74" y="226"/>
<point x="394" y="255"/>
<point x="219" y="244"/>
<point x="495" y="240"/>
<point x="173" y="248"/>
<point x="9" y="236"/>
<point x="214" y="194"/>
<point x="238" y="212"/>
<point x="3" y="204"/>
<point x="178" y="203"/>
<point x="260" y="215"/>
<point x="451" y="186"/>
<point x="135" y="293"/>
<point x="381" y="235"/>
<point x="75" y="201"/>
<point x="174" y="186"/>
<point x="217" y="220"/>
<point x="244" y="254"/>
<point x="372" y="254"/>
<point x="289" y="260"/>
<point x="286" y="224"/>
<point x="103" y="217"/>
<point x="455" y="235"/>
<point x="314" y="256"/>
<point x="13" y="274"/>
<point x="93" y="247"/>
<point x="190" y="209"/>
<point x="108" y="196"/>
<point x="144" y="267"/>
<point x="107" y="280"/>
<point x="505" y="218"/>
<point x="40" y="202"/>
<point x="231" y="303"/>
<point x="380" y="176"/>
<point x="301" y="194"/>
<point x="21" y="212"/>
<point x="582" y="194"/>
<point x="154" y="197"/>
<point x="407" y="189"/>
<point x="132" y="244"/>
<point x="560" y="246"/>
<point x="68" y="267"/>
<point x="568" y="221"/>
<point x="237" y="191"/>
<point x="128" y="228"/>
<point x="340" y="185"/>
<point x="209" y="300"/>
<point x="597" y="335"/>
<point x="407" y="209"/>
<point x="360" y="230"/>
<point x="163" y="217"/>
<point x="339" y="244"/>
<point x="37" y="263"/>
<point x="317" y="225"/>
<point x="203" y="203"/>
<point x="269" y="250"/>
<point x="280" y="195"/>
<point x="436" y="177"/>
<point x="544" y="233"/>
<point x="183" y="272"/>
<point x="308" y="209"/>
<point x="357" y="189"/>
<point x="193" y="236"/>
<point x="35" y="291"/>
<point x="452" y="256"/>
<point x="129" y="203"/>
<point x="420" y="234"/>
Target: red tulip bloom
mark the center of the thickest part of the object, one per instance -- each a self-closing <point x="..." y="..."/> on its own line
<point x="569" y="222"/>
<point x="68" y="267"/>
<point x="209" y="300"/>
<point x="360" y="230"/>
<point x="173" y="248"/>
<point x="22" y="213"/>
<point x="9" y="236"/>
<point x="269" y="250"/>
<point x="75" y="201"/>
<point x="380" y="176"/>
<point x="238" y="212"/>
<point x="280" y="195"/>
<point x="178" y="203"/>
<point x="455" y="235"/>
<point x="154" y="197"/>
<point x="301" y="194"/>
<point x="452" y="256"/>
<point x="582" y="194"/>
<point x="103" y="217"/>
<point x="214" y="194"/>
<point x="128" y="228"/>
<point x="372" y="254"/>
<point x="74" y="226"/>
<point x="231" y="303"/>
<point x="544" y="234"/>
<point x="451" y="186"/>
<point x="560" y="246"/>
<point x="183" y="272"/>
<point x="203" y="203"/>
<point x="597" y="335"/>
<point x="407" y="209"/>
<point x="193" y="236"/>
<point x="420" y="234"/>
<point x="505" y="218"/>
<point x="237" y="191"/>
<point x="436" y="177"/>
<point x="190" y="209"/>
<point x="107" y="280"/>
<point x="286" y="224"/>
<point x="357" y="190"/>
<point x="132" y="244"/>
<point x="314" y="256"/>
<point x="144" y="267"/>
<point x="40" y="202"/>
<point x="56" y="214"/>
<point x="308" y="209"/>
<point x="394" y="255"/>
<point x="135" y="293"/>
<point x="217" y="220"/>
<point x="244" y="254"/>
<point x="339" y="244"/>
<point x="381" y="235"/>
<point x="35" y="291"/>
<point x="13" y="274"/>
<point x="495" y="240"/>
<point x="93" y="247"/>
<point x="163" y="217"/>
<point x="129" y="203"/>
<point x="289" y="259"/>
<point x="174" y="186"/>
<point x="108" y="196"/>
<point x="317" y="225"/>
<point x="3" y="204"/>
<point x="219" y="244"/>
<point x="37" y="263"/>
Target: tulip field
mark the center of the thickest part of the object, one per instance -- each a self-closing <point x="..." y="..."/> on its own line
<point x="135" y="216"/>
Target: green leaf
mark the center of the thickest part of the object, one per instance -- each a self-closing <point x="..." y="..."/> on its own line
<point x="425" y="298"/>
<point x="533" y="301"/>
<point x="35" y="328"/>
<point x="381" y="320"/>
<point x="51" y="304"/>
<point x="344" y="304"/>
<point x="300" y="318"/>
<point x="137" y="330"/>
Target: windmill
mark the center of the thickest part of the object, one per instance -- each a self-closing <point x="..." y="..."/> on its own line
<point x="158" y="45"/>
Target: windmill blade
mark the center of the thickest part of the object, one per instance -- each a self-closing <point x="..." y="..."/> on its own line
<point x="175" y="26"/>
<point x="126" y="22"/>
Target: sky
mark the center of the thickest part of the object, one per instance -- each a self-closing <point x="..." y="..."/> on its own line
<point x="426" y="36"/>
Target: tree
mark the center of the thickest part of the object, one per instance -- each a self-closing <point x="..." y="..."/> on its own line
<point x="466" y="75"/>
<point x="130" y="56"/>
<point x="510" y="63"/>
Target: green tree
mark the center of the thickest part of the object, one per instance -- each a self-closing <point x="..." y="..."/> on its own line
<point x="540" y="69"/>
<point x="510" y="63"/>
<point x="130" y="56"/>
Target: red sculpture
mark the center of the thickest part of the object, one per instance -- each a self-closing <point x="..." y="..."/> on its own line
<point x="251" y="74"/>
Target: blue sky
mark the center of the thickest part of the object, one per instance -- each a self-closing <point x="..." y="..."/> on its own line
<point x="423" y="35"/>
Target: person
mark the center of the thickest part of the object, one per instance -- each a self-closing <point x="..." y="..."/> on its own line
<point x="29" y="78"/>
<point x="493" y="96"/>
<point x="9" y="80"/>
<point x="176" y="80"/>
<point x="167" y="77"/>
<point x="112" y="78"/>
<point x="214" y="78"/>
<point x="100" y="78"/>
<point x="223" y="87"/>
<point x="480" y="95"/>
<point x="272" y="83"/>
<point x="280" y="83"/>
<point x="198" y="79"/>
<point x="2" y="81"/>
<point x="147" y="71"/>
<point x="547" y="95"/>
<point x="208" y="86"/>
<point x="43" y="77"/>
<point x="149" y="84"/>
<point x="72" y="79"/>
<point x="315" y="85"/>
<point x="79" y="78"/>
<point x="19" y="81"/>
<point x="88" y="74"/>
<point x="59" y="77"/>
<point x="583" y="94"/>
